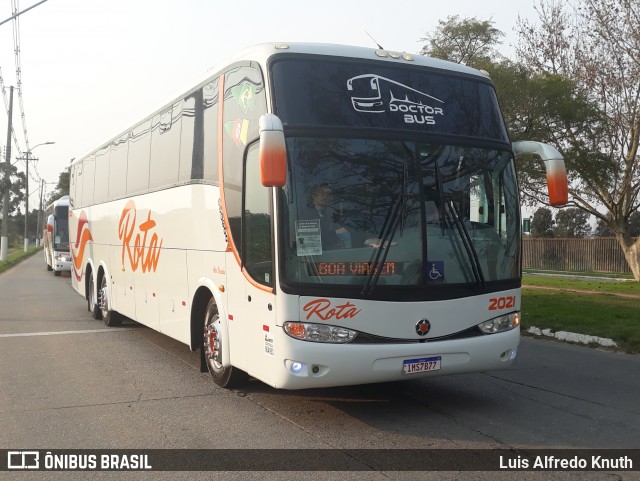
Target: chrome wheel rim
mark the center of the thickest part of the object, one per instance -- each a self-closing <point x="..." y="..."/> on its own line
<point x="213" y="344"/>
<point x="102" y="298"/>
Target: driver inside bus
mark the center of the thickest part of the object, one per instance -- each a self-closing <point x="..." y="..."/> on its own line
<point x="334" y="234"/>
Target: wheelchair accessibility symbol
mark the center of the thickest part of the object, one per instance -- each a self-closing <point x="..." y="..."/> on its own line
<point x="435" y="271"/>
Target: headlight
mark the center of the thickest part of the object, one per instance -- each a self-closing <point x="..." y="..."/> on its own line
<point x="500" y="324"/>
<point x="318" y="332"/>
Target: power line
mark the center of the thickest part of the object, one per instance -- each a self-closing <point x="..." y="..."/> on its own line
<point x="6" y="106"/>
<point x="16" y="46"/>
<point x="16" y="49"/>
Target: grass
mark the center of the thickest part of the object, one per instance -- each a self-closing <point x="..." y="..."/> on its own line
<point x="621" y="276"/>
<point x="598" y="308"/>
<point x="15" y="256"/>
<point x="630" y="287"/>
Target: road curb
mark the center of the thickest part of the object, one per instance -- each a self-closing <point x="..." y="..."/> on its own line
<point x="572" y="337"/>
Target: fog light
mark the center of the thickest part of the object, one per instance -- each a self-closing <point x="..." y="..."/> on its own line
<point x="296" y="368"/>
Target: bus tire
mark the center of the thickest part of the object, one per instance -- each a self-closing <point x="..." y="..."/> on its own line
<point x="213" y="343"/>
<point x="109" y="317"/>
<point x="49" y="268"/>
<point x="92" y="304"/>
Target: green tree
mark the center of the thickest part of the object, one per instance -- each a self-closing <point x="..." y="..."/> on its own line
<point x="634" y="224"/>
<point x="594" y="47"/>
<point x="63" y="186"/>
<point x="542" y="223"/>
<point x="573" y="223"/>
<point x="16" y="190"/>
<point x="602" y="230"/>
<point x="468" y="41"/>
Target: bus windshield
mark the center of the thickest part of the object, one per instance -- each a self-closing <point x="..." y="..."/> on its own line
<point x="61" y="236"/>
<point x="377" y="213"/>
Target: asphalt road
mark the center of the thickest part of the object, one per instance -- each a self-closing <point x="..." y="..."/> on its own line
<point x="68" y="382"/>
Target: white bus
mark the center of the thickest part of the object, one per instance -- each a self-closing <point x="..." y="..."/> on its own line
<point x="56" y="236"/>
<point x="314" y="215"/>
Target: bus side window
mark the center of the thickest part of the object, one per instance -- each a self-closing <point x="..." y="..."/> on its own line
<point x="244" y="102"/>
<point x="257" y="222"/>
<point x="138" y="155"/>
<point x="165" y="147"/>
<point x="88" y="174"/>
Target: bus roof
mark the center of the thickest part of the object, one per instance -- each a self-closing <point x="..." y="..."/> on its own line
<point x="64" y="200"/>
<point x="262" y="52"/>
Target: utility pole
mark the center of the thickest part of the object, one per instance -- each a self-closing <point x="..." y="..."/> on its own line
<point x="38" y="229"/>
<point x="4" y="240"/>
<point x="26" y="206"/>
<point x="26" y="201"/>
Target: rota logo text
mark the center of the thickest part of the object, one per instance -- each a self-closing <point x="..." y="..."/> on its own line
<point x="135" y="248"/>
<point x="325" y="310"/>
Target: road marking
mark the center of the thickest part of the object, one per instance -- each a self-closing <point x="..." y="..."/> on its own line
<point x="56" y="333"/>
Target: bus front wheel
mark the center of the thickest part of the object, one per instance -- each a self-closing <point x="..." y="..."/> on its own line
<point x="213" y="344"/>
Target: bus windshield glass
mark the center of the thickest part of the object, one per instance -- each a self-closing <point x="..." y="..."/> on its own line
<point x="373" y="213"/>
<point x="338" y="94"/>
<point x="61" y="235"/>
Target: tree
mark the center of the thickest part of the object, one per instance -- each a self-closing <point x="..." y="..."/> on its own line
<point x="573" y="223"/>
<point x="542" y="223"/>
<point x="594" y="48"/>
<point x="16" y="189"/>
<point x="468" y="41"/>
<point x="634" y="227"/>
<point x="602" y="230"/>
<point x="63" y="185"/>
<point x="634" y="224"/>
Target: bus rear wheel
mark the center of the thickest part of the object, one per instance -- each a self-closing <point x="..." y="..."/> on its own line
<point x="109" y="317"/>
<point x="213" y="344"/>
<point x="92" y="305"/>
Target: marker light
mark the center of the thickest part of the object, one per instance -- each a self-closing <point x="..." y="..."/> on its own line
<point x="501" y="323"/>
<point x="318" y="332"/>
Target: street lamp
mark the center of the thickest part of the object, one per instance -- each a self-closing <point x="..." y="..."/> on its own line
<point x="26" y="200"/>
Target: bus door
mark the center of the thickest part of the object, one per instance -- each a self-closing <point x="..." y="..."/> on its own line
<point x="259" y="267"/>
<point x="251" y="301"/>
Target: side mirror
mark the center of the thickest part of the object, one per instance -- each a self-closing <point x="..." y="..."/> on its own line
<point x="554" y="164"/>
<point x="273" y="152"/>
<point x="51" y="223"/>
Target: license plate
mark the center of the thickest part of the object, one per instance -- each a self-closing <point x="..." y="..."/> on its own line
<point x="412" y="366"/>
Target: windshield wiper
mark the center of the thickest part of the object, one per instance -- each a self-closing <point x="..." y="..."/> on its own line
<point x="387" y="233"/>
<point x="467" y="242"/>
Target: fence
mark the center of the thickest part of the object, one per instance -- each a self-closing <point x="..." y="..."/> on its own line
<point x="598" y="254"/>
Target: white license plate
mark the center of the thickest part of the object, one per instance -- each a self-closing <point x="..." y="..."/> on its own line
<point x="426" y="364"/>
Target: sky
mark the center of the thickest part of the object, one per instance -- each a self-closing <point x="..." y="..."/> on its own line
<point x="91" y="68"/>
